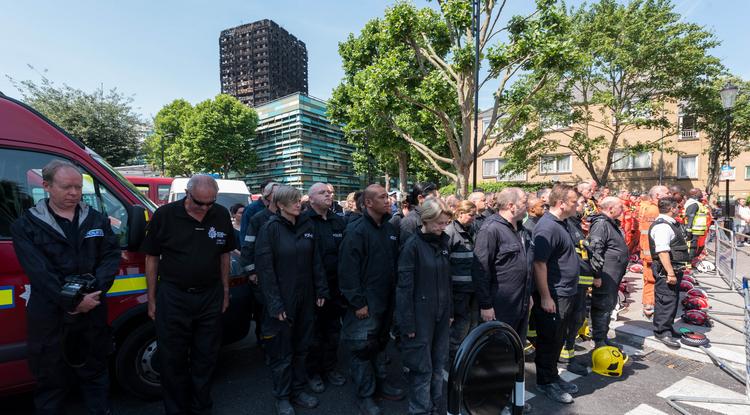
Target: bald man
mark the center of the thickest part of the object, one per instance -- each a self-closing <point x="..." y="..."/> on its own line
<point x="367" y="277"/>
<point x="187" y="245"/>
<point x="609" y="259"/>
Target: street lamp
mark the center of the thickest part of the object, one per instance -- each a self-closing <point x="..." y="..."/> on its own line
<point x="475" y="7"/>
<point x="728" y="97"/>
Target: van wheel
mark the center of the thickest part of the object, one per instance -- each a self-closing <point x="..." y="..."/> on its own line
<point x="137" y="363"/>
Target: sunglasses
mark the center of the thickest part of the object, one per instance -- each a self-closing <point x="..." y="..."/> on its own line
<point x="199" y="203"/>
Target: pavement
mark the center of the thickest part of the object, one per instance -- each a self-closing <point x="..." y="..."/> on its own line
<point x="653" y="373"/>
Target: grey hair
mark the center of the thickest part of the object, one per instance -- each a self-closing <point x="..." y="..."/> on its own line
<point x="583" y="186"/>
<point x="507" y="196"/>
<point x="50" y="170"/>
<point x="475" y="196"/>
<point x="200" y="180"/>
<point x="284" y="195"/>
<point x="609" y="201"/>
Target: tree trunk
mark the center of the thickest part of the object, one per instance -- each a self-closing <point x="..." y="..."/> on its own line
<point x="387" y="182"/>
<point x="462" y="182"/>
<point x="403" y="160"/>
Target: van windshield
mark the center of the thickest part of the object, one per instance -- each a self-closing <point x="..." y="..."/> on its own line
<point x="147" y="203"/>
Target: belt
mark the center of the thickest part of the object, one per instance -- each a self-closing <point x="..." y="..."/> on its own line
<point x="195" y="289"/>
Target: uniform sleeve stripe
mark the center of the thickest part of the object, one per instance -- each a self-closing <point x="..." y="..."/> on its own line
<point x="461" y="278"/>
<point x="468" y="254"/>
<point x="250" y="267"/>
<point x="249" y="238"/>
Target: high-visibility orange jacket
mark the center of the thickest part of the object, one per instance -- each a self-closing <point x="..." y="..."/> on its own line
<point x="648" y="213"/>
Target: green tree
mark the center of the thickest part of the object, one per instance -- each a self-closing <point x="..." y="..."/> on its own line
<point x="634" y="58"/>
<point x="168" y="136"/>
<point x="218" y="136"/>
<point x="411" y="73"/>
<point x="104" y="120"/>
<point x="711" y="120"/>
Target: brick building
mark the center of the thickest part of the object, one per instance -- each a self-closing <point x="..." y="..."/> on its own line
<point x="686" y="164"/>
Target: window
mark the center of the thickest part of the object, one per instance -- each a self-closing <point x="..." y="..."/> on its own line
<point x="621" y="160"/>
<point x="162" y="192"/>
<point x="687" y="167"/>
<point x="21" y="188"/>
<point x="687" y="128"/>
<point x="492" y="168"/>
<point x="561" y="163"/>
<point x="747" y="172"/>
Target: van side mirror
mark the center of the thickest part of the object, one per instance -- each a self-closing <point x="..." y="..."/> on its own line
<point x="136" y="227"/>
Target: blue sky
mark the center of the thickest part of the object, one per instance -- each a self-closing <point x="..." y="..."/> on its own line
<point x="158" y="51"/>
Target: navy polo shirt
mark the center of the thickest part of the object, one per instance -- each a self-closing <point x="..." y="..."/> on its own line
<point x="553" y="245"/>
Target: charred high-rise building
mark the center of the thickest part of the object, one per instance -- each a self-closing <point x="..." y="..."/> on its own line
<point x="260" y="62"/>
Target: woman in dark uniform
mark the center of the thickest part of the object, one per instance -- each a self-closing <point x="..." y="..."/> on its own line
<point x="292" y="280"/>
<point x="424" y="307"/>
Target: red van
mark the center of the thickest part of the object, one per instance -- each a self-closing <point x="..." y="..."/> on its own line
<point x="154" y="188"/>
<point x="28" y="141"/>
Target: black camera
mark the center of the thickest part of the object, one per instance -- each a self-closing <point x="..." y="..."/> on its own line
<point x="75" y="287"/>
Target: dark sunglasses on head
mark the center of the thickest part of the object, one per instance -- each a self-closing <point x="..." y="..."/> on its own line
<point x="199" y="203"/>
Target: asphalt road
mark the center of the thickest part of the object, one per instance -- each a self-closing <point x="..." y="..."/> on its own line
<point x="243" y="386"/>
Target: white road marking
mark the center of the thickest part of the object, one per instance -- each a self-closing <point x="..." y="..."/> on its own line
<point x="644" y="409"/>
<point x="690" y="386"/>
<point x="567" y="376"/>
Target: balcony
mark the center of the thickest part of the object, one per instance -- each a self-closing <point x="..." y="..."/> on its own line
<point x="687" y="134"/>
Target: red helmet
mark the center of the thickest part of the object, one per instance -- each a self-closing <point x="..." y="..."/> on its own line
<point x="686" y="286"/>
<point x="697" y="292"/>
<point x="696" y="318"/>
<point x="637" y="268"/>
<point x="690" y="279"/>
<point x="694" y="339"/>
<point x="695" y="303"/>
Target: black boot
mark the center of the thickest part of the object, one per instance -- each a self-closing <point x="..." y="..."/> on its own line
<point x="387" y="390"/>
<point x="367" y="406"/>
<point x="283" y="407"/>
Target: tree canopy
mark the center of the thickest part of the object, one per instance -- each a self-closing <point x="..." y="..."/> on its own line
<point x="411" y="73"/>
<point x="633" y="59"/>
<point x="104" y="120"/>
<point x="215" y="136"/>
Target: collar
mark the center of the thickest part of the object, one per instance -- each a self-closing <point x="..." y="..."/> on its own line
<point x="554" y="218"/>
<point x="666" y="218"/>
<point x="384" y="219"/>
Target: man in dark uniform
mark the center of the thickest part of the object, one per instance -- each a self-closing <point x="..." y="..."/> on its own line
<point x="329" y="231"/>
<point x="556" y="270"/>
<point x="188" y="243"/>
<point x="408" y="225"/>
<point x="669" y="250"/>
<point x="609" y="259"/>
<point x="252" y="208"/>
<point x="68" y="342"/>
<point x="585" y="281"/>
<point x="501" y="272"/>
<point x="479" y="199"/>
<point x="247" y="256"/>
<point x="367" y="279"/>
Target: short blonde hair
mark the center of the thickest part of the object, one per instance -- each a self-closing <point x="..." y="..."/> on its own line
<point x="285" y="195"/>
<point x="464" y="207"/>
<point x="432" y="208"/>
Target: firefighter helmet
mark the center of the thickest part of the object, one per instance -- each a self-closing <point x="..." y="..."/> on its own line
<point x="697" y="292"/>
<point x="705" y="266"/>
<point x="608" y="361"/>
<point x="686" y="286"/>
<point x="695" y="303"/>
<point x="696" y="318"/>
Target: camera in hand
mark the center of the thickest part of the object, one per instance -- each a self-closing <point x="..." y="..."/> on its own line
<point x="75" y="287"/>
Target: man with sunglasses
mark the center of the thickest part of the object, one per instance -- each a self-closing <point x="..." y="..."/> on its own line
<point x="188" y="243"/>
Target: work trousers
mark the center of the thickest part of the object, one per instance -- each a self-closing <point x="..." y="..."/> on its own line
<point x="603" y="302"/>
<point x="647" y="298"/>
<point x="323" y="355"/>
<point x="550" y="328"/>
<point x="667" y="300"/>
<point x="287" y="343"/>
<point x="425" y="356"/>
<point x="366" y="341"/>
<point x="188" y="332"/>
<point x="579" y="315"/>
<point x="465" y="317"/>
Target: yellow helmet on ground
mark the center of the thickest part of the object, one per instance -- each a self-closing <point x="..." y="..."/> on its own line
<point x="608" y="361"/>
